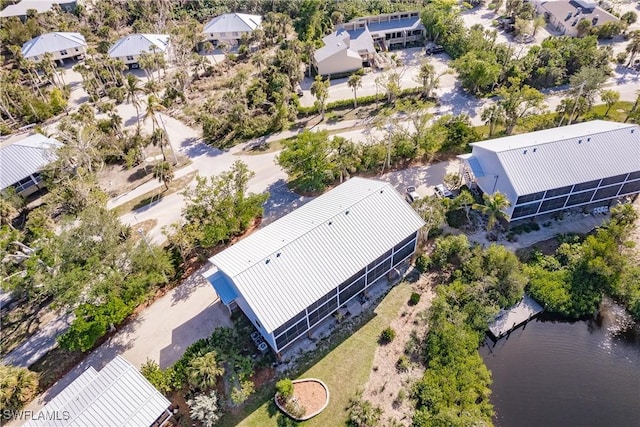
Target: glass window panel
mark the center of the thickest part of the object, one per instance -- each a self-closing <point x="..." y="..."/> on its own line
<point x="351" y="279"/>
<point x="404" y="252"/>
<point x="558" y="191"/>
<point x="355" y="287"/>
<point x="549" y="205"/>
<point x="379" y="271"/>
<point x="613" y="180"/>
<point x="525" y="210"/>
<point x="530" y="198"/>
<point x="630" y="187"/>
<point x="404" y="242"/>
<point x="289" y="323"/>
<point x="634" y="175"/>
<point x="586" y="185"/>
<point x="605" y="193"/>
<point x="584" y="197"/>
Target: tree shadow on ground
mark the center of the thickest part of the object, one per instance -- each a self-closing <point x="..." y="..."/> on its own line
<point x="281" y="201"/>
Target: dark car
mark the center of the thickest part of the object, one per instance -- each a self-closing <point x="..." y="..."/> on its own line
<point x="432" y="50"/>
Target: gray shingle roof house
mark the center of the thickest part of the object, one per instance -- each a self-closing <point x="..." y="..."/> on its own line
<point x="584" y="165"/>
<point x="564" y="15"/>
<point x="60" y="45"/>
<point x="129" y="48"/>
<point x="231" y="26"/>
<point x="361" y="35"/>
<point x="298" y="270"/>
<point x="22" y="161"/>
<point x="117" y="395"/>
<point x="40" y="6"/>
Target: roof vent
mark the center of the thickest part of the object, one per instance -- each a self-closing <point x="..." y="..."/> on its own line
<point x="346" y="212"/>
<point x="535" y="149"/>
<point x="330" y="222"/>
<point x="579" y="141"/>
<point x="267" y="261"/>
<point x="632" y="130"/>
<point x="588" y="139"/>
<point x="278" y="254"/>
<point x="382" y="191"/>
<point x="525" y="152"/>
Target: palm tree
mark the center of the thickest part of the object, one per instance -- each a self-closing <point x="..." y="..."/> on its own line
<point x="494" y="206"/>
<point x="355" y="83"/>
<point x="203" y="371"/>
<point x="133" y="88"/>
<point x="153" y="108"/>
<point x="159" y="139"/>
<point x="163" y="172"/>
<point x="320" y="89"/>
<point x="258" y="59"/>
<point x="633" y="47"/>
<point x="493" y="116"/>
<point x="427" y="76"/>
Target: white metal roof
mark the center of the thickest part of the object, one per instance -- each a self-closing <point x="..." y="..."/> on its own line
<point x="25" y="157"/>
<point x="559" y="157"/>
<point x="135" y="44"/>
<point x="52" y="42"/>
<point x="118" y="395"/>
<point x="289" y="264"/>
<point x="233" y="22"/>
<point x="21" y="8"/>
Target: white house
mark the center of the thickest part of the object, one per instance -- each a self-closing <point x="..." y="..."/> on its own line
<point x="40" y="6"/>
<point x="353" y="44"/>
<point x="564" y="15"/>
<point x="584" y="165"/>
<point x="230" y="27"/>
<point x="290" y="275"/>
<point x="117" y="395"/>
<point x="22" y="161"/>
<point x="61" y="46"/>
<point x="129" y="48"/>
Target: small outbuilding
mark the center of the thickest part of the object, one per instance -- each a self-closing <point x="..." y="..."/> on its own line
<point x="129" y="48"/>
<point x="297" y="271"/>
<point x="230" y="27"/>
<point x="587" y="165"/>
<point x="22" y="161"/>
<point x="61" y="46"/>
<point x="117" y="395"/>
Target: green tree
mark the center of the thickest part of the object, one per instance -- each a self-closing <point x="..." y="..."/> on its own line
<point x="152" y="372"/>
<point x="355" y="83"/>
<point x="494" y="208"/>
<point x="478" y="70"/>
<point x="163" y="172"/>
<point x="320" y="89"/>
<point x="518" y="102"/>
<point x="432" y="210"/>
<point x="429" y="79"/>
<point x="284" y="387"/>
<point x="18" y="386"/>
<point x="629" y="17"/>
<point x="583" y="27"/>
<point x="609" y="97"/>
<point x="307" y="160"/>
<point x="633" y="47"/>
<point x="203" y="371"/>
<point x="493" y="115"/>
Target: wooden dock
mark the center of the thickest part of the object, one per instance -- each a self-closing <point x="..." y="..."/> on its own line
<point x="508" y="320"/>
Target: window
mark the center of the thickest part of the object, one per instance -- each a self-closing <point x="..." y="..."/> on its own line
<point x="379" y="260"/>
<point x="378" y="271"/>
<point x="321" y="301"/>
<point x="404" y="242"/>
<point x="634" y="175"/>
<point x="352" y="290"/>
<point x="129" y="58"/>
<point x="257" y="323"/>
<point x="351" y="279"/>
<point x="558" y="191"/>
<point x="605" y="193"/>
<point x="586" y="185"/>
<point x="525" y="210"/>
<point x="35" y="58"/>
<point x="323" y="311"/>
<point x="584" y="197"/>
<point x="530" y="198"/>
<point x="23" y="184"/>
<point x="63" y="52"/>
<point x="613" y="180"/>
<point x="404" y="252"/>
<point x="630" y="187"/>
<point x="291" y="334"/>
<point x="235" y="34"/>
<point x="553" y="204"/>
<point x="289" y="323"/>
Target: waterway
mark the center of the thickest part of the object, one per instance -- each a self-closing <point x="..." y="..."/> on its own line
<point x="553" y="372"/>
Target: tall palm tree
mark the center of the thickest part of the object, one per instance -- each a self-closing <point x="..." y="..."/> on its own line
<point x="355" y="83"/>
<point x="133" y="88"/>
<point x="203" y="371"/>
<point x="429" y="79"/>
<point x="153" y="108"/>
<point x="493" y="116"/>
<point x="163" y="172"/>
<point x="494" y="207"/>
<point x="633" y="47"/>
<point x="320" y="89"/>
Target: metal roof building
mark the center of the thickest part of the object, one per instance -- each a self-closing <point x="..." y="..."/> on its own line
<point x="21" y="162"/>
<point x="118" y="395"/>
<point x="298" y="270"/>
<point x="54" y="43"/>
<point x="231" y="25"/>
<point x="551" y="170"/>
<point x="129" y="48"/>
<point x="40" y="6"/>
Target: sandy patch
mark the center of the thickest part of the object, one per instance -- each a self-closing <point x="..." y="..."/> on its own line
<point x="387" y="387"/>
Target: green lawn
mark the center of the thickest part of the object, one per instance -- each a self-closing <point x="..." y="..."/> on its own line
<point x="345" y="369"/>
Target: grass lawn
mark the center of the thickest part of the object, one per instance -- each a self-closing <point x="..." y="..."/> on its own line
<point x="344" y="369"/>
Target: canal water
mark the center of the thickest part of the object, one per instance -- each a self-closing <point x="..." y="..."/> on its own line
<point x="552" y="372"/>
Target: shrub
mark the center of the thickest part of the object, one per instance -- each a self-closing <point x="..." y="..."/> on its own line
<point x="204" y="408"/>
<point x="387" y="335"/>
<point x="363" y="413"/>
<point x="284" y="387"/>
<point x="242" y="392"/>
<point x="423" y="263"/>
<point x="159" y="379"/>
<point x="414" y="299"/>
<point x="295" y="409"/>
<point x="403" y="364"/>
<point x="17" y="387"/>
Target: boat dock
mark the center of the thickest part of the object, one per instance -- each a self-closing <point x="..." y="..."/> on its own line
<point x="508" y="320"/>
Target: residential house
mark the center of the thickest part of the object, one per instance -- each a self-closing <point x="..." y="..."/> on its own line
<point x="21" y="8"/>
<point x="129" y="48"/>
<point x="22" y="161"/>
<point x="61" y="46"/>
<point x="563" y="16"/>
<point x="230" y="27"/>
<point x="586" y="165"/>
<point x="117" y="395"/>
<point x="290" y="275"/>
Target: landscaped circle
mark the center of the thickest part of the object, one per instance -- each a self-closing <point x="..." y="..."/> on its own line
<point x="310" y="397"/>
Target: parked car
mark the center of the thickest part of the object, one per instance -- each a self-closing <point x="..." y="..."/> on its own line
<point x="442" y="191"/>
<point x="434" y="49"/>
<point x="411" y="195"/>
